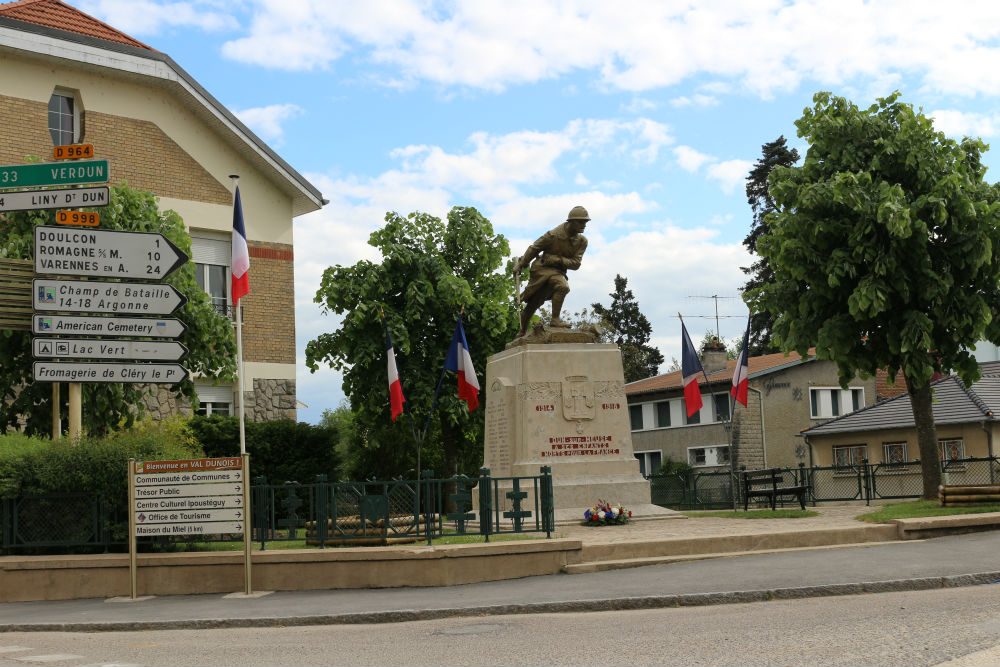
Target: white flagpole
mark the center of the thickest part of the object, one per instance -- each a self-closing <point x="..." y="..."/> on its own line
<point x="239" y="348"/>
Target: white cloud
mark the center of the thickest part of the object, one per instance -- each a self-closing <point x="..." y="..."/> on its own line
<point x="730" y="174"/>
<point x="639" y="105"/>
<point x="763" y="47"/>
<point x="959" y="124"/>
<point x="145" y="17"/>
<point x="697" y="100"/>
<point x="689" y="159"/>
<point x="266" y="121"/>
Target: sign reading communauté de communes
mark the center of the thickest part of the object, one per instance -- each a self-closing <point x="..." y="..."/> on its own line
<point x="37" y="200"/>
<point x="105" y="253"/>
<point x="48" y="173"/>
<point x="188" y="497"/>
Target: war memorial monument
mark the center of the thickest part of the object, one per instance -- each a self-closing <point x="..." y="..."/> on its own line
<point x="556" y="397"/>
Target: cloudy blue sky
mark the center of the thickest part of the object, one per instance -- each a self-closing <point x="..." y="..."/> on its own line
<point x="649" y="114"/>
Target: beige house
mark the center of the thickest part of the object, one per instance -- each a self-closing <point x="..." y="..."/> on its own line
<point x="787" y="395"/>
<point x="885" y="433"/>
<point x="69" y="78"/>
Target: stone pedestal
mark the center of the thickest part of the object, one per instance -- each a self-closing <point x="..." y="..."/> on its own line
<point x="563" y="405"/>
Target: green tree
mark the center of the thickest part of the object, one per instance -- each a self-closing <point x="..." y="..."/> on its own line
<point x="631" y="331"/>
<point x="883" y="248"/>
<point x="209" y="336"/>
<point x="773" y="154"/>
<point x="429" y="271"/>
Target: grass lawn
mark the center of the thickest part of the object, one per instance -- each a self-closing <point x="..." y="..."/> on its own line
<point x="756" y="514"/>
<point x="920" y="508"/>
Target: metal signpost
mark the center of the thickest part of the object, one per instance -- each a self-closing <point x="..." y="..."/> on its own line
<point x="105" y="253"/>
<point x="107" y="371"/>
<point x="37" y="200"/>
<point x="92" y="296"/>
<point x="108" y="348"/>
<point x="82" y="325"/>
<point x="48" y="173"/>
<point x="189" y="497"/>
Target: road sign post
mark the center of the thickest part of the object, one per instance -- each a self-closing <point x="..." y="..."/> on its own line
<point x="92" y="296"/>
<point x="108" y="348"/>
<point x="49" y="173"/>
<point x="36" y="200"/>
<point x="105" y="253"/>
<point x="98" y="325"/>
<point x="108" y="371"/>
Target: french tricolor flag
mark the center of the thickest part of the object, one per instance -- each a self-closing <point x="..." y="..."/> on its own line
<point x="460" y="361"/>
<point x="690" y="367"/>
<point x="241" y="255"/>
<point x="741" y="374"/>
<point x="396" y="399"/>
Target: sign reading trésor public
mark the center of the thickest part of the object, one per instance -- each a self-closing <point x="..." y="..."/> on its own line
<point x="92" y="296"/>
<point x="36" y="200"/>
<point x="49" y="173"/>
<point x="105" y="253"/>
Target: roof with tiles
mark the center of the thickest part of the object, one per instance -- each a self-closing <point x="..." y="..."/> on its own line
<point x="757" y="365"/>
<point x="954" y="403"/>
<point x="60" y="16"/>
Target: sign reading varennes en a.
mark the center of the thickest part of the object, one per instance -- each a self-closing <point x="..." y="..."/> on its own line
<point x="37" y="200"/>
<point x="51" y="173"/>
<point x="105" y="253"/>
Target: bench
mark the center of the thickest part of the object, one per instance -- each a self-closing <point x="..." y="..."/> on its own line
<point x="769" y="483"/>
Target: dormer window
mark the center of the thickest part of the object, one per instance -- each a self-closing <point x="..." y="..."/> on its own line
<point x="64" y="118"/>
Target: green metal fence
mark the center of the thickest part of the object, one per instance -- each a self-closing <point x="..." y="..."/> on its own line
<point x="321" y="513"/>
<point x="693" y="490"/>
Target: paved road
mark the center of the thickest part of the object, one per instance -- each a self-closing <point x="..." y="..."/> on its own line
<point x="912" y="565"/>
<point x="912" y="628"/>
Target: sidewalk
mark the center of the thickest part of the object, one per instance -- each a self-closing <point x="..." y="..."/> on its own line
<point x="791" y="573"/>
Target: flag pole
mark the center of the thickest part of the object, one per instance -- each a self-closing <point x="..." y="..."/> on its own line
<point x="239" y="350"/>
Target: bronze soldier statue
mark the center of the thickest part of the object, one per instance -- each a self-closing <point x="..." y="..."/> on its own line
<point x="558" y="251"/>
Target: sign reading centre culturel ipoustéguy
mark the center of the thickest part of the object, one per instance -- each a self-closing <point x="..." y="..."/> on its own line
<point x="105" y="253"/>
<point x="53" y="173"/>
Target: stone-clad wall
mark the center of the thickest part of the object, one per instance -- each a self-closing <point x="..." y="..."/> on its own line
<point x="269" y="400"/>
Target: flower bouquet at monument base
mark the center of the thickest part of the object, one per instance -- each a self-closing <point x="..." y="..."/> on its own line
<point x="606" y="514"/>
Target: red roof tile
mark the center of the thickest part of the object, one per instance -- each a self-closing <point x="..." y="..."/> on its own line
<point x="673" y="380"/>
<point x="59" y="15"/>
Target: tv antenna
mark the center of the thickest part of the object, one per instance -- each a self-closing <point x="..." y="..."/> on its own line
<point x="716" y="298"/>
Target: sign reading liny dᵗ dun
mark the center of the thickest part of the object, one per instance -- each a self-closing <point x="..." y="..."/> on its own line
<point x="48" y="173"/>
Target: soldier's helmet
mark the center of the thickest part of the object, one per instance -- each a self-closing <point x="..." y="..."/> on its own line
<point x="578" y="213"/>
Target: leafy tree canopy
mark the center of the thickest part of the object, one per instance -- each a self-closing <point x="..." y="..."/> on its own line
<point x="430" y="270"/>
<point x="631" y="331"/>
<point x="883" y="248"/>
<point x="773" y="154"/>
<point x="209" y="336"/>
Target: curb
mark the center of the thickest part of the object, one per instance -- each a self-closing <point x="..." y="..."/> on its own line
<point x="572" y="606"/>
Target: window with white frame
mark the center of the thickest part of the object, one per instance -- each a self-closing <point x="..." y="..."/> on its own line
<point x="64" y="118"/>
<point x="951" y="450"/>
<point x="649" y="462"/>
<point x="894" y="452"/>
<point x="715" y="455"/>
<point x="214" y="400"/>
<point x="212" y="257"/>
<point x="849" y="455"/>
<point x="826" y="402"/>
<point x="722" y="407"/>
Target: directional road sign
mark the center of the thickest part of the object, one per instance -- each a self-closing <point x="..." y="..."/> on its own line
<point x="105" y="253"/>
<point x="108" y="371"/>
<point x="92" y="296"/>
<point x="36" y="200"/>
<point x="115" y="348"/>
<point x="188" y="490"/>
<point x="50" y="173"/>
<point x="192" y="503"/>
<point x="203" y="528"/>
<point x="82" y="325"/>
<point x="176" y="514"/>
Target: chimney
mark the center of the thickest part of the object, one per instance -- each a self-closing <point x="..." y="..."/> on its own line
<point x="713" y="357"/>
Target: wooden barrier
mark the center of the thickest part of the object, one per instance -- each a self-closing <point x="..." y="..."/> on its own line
<point x="974" y="495"/>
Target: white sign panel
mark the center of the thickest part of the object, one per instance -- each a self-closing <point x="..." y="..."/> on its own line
<point x="105" y="253"/>
<point x="193" y="503"/>
<point x="89" y="348"/>
<point x="202" y="528"/>
<point x="35" y="200"/>
<point x="188" y="497"/>
<point x="92" y="296"/>
<point x="108" y="371"/>
<point x="83" y="325"/>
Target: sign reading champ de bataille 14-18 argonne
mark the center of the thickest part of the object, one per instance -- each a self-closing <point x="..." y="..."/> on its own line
<point x="105" y="253"/>
<point x="188" y="497"/>
<point x="92" y="296"/>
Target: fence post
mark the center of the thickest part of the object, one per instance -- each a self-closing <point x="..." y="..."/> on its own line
<point x="866" y="472"/>
<point x="485" y="506"/>
<point x="426" y="500"/>
<point x="322" y="512"/>
<point x="6" y="520"/>
<point x="548" y="502"/>
<point x="260" y="509"/>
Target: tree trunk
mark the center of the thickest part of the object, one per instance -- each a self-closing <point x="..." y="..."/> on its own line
<point x="923" y="417"/>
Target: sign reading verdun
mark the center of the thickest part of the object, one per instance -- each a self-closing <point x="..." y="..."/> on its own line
<point x="47" y="173"/>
